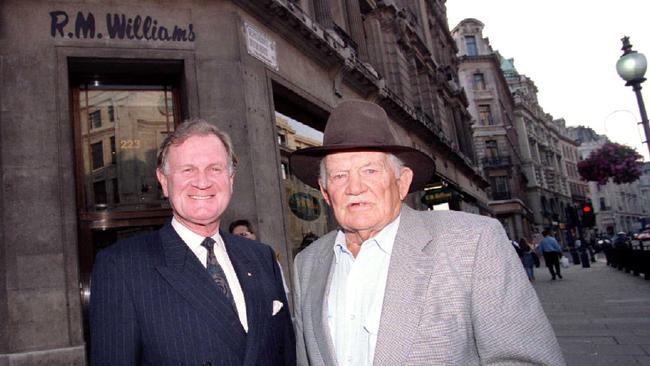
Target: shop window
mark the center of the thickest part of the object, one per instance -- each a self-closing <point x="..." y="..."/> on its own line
<point x="304" y="207"/>
<point x="133" y="141"/>
<point x="125" y="108"/>
<point x="299" y="124"/>
<point x="166" y="104"/>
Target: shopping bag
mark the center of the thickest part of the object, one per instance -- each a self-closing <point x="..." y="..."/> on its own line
<point x="564" y="262"/>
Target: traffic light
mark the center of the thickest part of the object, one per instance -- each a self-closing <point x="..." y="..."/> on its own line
<point x="588" y="216"/>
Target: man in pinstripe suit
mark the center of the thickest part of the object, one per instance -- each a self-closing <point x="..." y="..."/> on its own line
<point x="190" y="294"/>
<point x="394" y="286"/>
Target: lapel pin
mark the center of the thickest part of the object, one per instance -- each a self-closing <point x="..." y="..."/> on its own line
<point x="249" y="274"/>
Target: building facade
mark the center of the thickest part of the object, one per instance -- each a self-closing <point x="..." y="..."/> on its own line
<point x="578" y="188"/>
<point x="494" y="136"/>
<point x="618" y="207"/>
<point x="547" y="189"/>
<point x="90" y="89"/>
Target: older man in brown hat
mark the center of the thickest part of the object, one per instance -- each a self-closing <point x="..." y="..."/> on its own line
<point x="394" y="286"/>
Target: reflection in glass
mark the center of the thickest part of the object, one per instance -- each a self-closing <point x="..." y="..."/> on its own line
<point x="97" y="152"/>
<point x="121" y="130"/>
<point x="305" y="210"/>
<point x="95" y="119"/>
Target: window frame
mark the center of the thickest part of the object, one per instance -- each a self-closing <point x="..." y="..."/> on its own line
<point x="478" y="81"/>
<point x="471" y="45"/>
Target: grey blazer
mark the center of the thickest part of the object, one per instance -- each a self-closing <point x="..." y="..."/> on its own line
<point x="456" y="295"/>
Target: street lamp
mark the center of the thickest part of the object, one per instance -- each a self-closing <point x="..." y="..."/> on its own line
<point x="631" y="67"/>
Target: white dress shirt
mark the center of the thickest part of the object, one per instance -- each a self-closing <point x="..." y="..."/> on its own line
<point x="356" y="296"/>
<point x="194" y="241"/>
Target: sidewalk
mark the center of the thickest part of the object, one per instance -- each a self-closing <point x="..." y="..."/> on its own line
<point x="600" y="315"/>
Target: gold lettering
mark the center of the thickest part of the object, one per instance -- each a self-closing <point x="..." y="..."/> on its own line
<point x="129" y="144"/>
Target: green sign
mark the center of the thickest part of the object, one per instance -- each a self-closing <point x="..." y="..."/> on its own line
<point x="305" y="206"/>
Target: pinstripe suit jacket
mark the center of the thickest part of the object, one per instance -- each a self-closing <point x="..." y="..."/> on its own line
<point x="153" y="303"/>
<point x="456" y="294"/>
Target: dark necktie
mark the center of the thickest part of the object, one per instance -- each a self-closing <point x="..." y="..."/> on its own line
<point x="216" y="272"/>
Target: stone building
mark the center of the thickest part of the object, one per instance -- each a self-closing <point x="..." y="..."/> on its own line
<point x="90" y="88"/>
<point x="578" y="188"/>
<point x="547" y="189"/>
<point x="618" y="207"/>
<point x="494" y="136"/>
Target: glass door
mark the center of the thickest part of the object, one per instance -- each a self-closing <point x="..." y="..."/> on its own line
<point x="118" y="130"/>
<point x="308" y="216"/>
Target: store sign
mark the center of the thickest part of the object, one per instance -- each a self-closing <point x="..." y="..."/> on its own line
<point x="261" y="46"/>
<point x="436" y="196"/>
<point x="305" y="206"/>
<point x="116" y="26"/>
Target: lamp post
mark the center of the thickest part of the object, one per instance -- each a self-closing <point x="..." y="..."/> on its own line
<point x="631" y="67"/>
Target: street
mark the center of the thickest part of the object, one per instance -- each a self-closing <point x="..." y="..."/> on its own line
<point x="600" y="315"/>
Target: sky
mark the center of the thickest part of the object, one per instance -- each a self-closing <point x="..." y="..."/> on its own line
<point x="569" y="48"/>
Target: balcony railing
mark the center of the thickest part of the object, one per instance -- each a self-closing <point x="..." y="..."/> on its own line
<point x="494" y="161"/>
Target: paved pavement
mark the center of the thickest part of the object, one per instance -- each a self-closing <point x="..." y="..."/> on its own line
<point x="600" y="315"/>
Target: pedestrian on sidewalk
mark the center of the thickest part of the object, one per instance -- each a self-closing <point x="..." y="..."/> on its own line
<point x="528" y="258"/>
<point x="551" y="250"/>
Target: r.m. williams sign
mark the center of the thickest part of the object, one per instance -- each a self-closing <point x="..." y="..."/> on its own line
<point x="117" y="26"/>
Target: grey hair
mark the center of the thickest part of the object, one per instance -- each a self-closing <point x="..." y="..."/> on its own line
<point x="196" y="127"/>
<point x="396" y="163"/>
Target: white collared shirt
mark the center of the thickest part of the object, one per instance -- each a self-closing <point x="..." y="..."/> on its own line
<point x="356" y="295"/>
<point x="193" y="241"/>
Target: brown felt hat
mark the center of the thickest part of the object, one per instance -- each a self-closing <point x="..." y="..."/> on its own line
<point x="358" y="125"/>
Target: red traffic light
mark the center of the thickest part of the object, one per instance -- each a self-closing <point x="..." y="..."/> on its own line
<point x="588" y="218"/>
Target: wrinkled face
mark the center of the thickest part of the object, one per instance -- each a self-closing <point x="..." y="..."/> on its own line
<point x="242" y="230"/>
<point x="197" y="182"/>
<point x="363" y="191"/>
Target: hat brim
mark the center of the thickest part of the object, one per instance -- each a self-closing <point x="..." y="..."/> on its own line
<point x="305" y="163"/>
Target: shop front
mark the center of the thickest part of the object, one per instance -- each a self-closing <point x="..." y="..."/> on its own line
<point x="90" y="89"/>
<point x="89" y="92"/>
